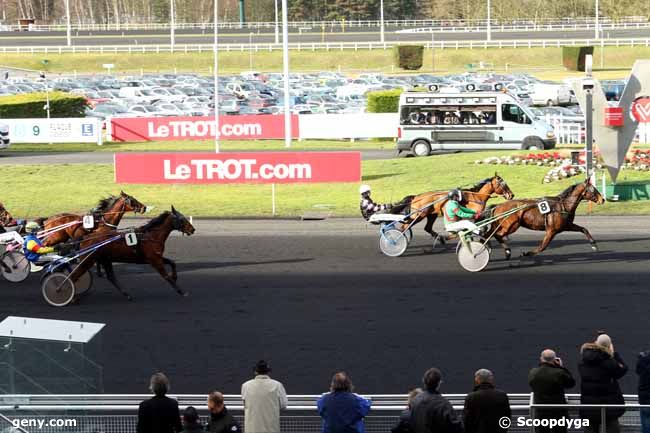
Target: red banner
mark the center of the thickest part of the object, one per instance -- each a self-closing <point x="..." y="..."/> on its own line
<point x="201" y="128"/>
<point x="222" y="168"/>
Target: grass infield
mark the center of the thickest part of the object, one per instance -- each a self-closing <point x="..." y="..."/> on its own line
<point x="40" y="190"/>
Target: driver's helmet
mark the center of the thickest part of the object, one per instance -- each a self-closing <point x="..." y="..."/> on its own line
<point x="32" y="227"/>
<point x="364" y="189"/>
<point x="455" y="194"/>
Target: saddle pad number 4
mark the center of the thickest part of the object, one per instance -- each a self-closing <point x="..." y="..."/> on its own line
<point x="89" y="222"/>
<point x="544" y="207"/>
<point x="131" y="239"/>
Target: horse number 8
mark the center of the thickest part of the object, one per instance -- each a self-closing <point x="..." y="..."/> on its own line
<point x="543" y="207"/>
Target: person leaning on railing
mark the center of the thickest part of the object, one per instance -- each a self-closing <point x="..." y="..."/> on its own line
<point x="404" y="423"/>
<point x="221" y="421"/>
<point x="548" y="382"/>
<point x="160" y="413"/>
<point x="600" y="368"/>
<point x="341" y="409"/>
<point x="431" y="412"/>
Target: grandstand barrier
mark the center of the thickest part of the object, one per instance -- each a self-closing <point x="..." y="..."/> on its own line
<point x="117" y="413"/>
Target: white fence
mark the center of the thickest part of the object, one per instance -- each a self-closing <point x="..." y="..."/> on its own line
<point x="328" y="46"/>
<point x="579" y="23"/>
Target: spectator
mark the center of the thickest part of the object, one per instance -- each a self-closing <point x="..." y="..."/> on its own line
<point x="643" y="370"/>
<point x="485" y="406"/>
<point x="159" y="414"/>
<point x="263" y="399"/>
<point x="431" y="412"/>
<point x="548" y="382"/>
<point x="220" y="419"/>
<point x="342" y="410"/>
<point x="191" y="421"/>
<point x="600" y="369"/>
<point x="404" y="423"/>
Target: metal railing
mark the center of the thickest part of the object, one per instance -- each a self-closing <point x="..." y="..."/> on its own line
<point x="578" y="23"/>
<point x="116" y="413"/>
<point x="327" y="46"/>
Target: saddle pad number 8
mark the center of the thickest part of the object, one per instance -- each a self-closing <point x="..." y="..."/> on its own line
<point x="131" y="239"/>
<point x="88" y="222"/>
<point x="543" y="207"/>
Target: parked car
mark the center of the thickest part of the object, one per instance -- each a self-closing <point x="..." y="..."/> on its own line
<point x="549" y="93"/>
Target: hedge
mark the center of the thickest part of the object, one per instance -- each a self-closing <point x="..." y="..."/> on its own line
<point x="30" y="105"/>
<point x="383" y="101"/>
<point x="573" y="58"/>
<point x="409" y="57"/>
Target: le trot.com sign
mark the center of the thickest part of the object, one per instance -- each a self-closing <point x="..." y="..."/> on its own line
<point x="257" y="167"/>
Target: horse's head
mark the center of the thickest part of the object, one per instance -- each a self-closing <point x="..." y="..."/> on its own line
<point x="181" y="223"/>
<point x="131" y="204"/>
<point x="500" y="187"/>
<point x="592" y="194"/>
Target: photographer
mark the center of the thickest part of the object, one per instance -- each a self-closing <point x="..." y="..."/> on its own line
<point x="548" y="382"/>
<point x="600" y="369"/>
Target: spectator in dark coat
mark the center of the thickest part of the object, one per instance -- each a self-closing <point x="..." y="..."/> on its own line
<point x="404" y="423"/>
<point x="159" y="414"/>
<point x="431" y="412"/>
<point x="191" y="422"/>
<point x="342" y="410"/>
<point x="485" y="406"/>
<point x="643" y="370"/>
<point x="600" y="369"/>
<point x="548" y="382"/>
<point x="220" y="419"/>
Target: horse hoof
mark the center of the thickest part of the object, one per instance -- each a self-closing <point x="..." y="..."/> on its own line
<point x="184" y="294"/>
<point x="508" y="254"/>
<point x="594" y="247"/>
<point x="129" y="297"/>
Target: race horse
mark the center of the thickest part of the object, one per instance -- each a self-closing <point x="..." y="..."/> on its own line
<point x="108" y="213"/>
<point x="6" y="219"/>
<point x="430" y="204"/>
<point x="149" y="249"/>
<point x="560" y="218"/>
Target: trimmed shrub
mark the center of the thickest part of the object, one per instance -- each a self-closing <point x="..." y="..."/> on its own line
<point x="383" y="101"/>
<point x="30" y="105"/>
<point x="409" y="57"/>
<point x="573" y="58"/>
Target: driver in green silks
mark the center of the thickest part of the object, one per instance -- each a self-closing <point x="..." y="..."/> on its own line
<point x="457" y="217"/>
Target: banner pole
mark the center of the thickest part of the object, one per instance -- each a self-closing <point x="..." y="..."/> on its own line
<point x="273" y="198"/>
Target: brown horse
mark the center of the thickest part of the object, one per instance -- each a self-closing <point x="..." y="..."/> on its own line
<point x="559" y="219"/>
<point x="108" y="213"/>
<point x="431" y="203"/>
<point x="149" y="249"/>
<point x="6" y="219"/>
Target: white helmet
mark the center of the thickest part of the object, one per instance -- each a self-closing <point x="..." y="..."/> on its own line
<point x="32" y="226"/>
<point x="364" y="189"/>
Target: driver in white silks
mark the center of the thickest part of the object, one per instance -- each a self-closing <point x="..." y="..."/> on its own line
<point x="458" y="217"/>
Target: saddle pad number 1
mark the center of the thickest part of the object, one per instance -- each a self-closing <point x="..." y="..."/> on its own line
<point x="543" y="207"/>
<point x="131" y="239"/>
<point x="89" y="222"/>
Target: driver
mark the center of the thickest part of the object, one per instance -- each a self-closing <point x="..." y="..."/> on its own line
<point x="369" y="207"/>
<point x="33" y="247"/>
<point x="457" y="217"/>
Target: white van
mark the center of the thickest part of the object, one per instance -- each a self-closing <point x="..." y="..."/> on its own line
<point x="468" y="121"/>
<point x="547" y="93"/>
<point x="4" y="136"/>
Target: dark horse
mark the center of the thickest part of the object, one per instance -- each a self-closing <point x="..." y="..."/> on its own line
<point x="108" y="213"/>
<point x="6" y="220"/>
<point x="559" y="219"/>
<point x="430" y="204"/>
<point x="149" y="249"/>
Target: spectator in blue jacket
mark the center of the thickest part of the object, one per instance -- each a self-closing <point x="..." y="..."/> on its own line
<point x="342" y="410"/>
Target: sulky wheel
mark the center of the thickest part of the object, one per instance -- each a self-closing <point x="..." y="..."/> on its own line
<point x="475" y="258"/>
<point x="58" y="289"/>
<point x="14" y="267"/>
<point x="83" y="284"/>
<point x="393" y="242"/>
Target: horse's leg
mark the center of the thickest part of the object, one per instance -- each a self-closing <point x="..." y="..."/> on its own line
<point x="110" y="276"/>
<point x="572" y="227"/>
<point x="504" y="244"/>
<point x="550" y="234"/>
<point x="431" y="219"/>
<point x="172" y="264"/>
<point x="157" y="262"/>
<point x="100" y="274"/>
